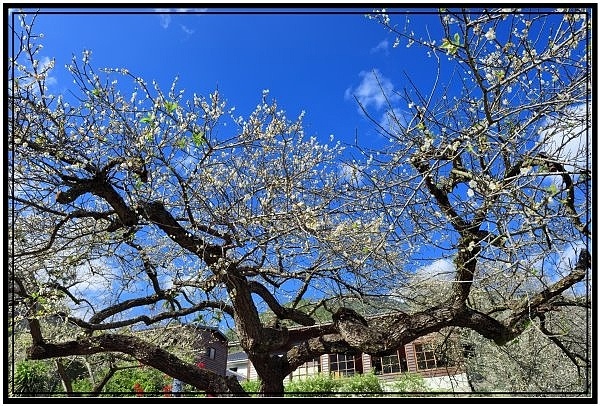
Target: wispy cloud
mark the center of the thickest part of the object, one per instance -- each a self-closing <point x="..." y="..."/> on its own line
<point x="394" y="120"/>
<point x="350" y="174"/>
<point x="165" y="16"/>
<point x="567" y="139"/>
<point x="45" y="62"/>
<point x="383" y="46"/>
<point x="374" y="90"/>
<point x="441" y="270"/>
<point x="187" y="30"/>
<point x="94" y="284"/>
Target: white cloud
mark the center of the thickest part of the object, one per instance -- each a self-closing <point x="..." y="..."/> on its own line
<point x="187" y="30"/>
<point x="567" y="138"/>
<point x="44" y="63"/>
<point x="350" y="174"/>
<point x="165" y="16"/>
<point x="93" y="277"/>
<point x="191" y="10"/>
<point x="374" y="90"/>
<point x="165" y="19"/>
<point x="441" y="270"/>
<point x="383" y="46"/>
<point x="394" y="120"/>
<point x="94" y="284"/>
<point x="569" y="257"/>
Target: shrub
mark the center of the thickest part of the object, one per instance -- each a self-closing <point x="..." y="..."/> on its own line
<point x="137" y="381"/>
<point x="82" y="385"/>
<point x="33" y="377"/>
<point x="362" y="385"/>
<point x="318" y="384"/>
<point x="251" y="386"/>
<point x="410" y="382"/>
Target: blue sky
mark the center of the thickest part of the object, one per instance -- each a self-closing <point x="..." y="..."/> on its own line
<point x="311" y="62"/>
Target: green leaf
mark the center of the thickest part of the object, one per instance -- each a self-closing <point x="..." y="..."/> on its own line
<point x="148" y="119"/>
<point x="198" y="138"/>
<point x="552" y="189"/>
<point x="181" y="143"/>
<point x="97" y="92"/>
<point x="449" y="46"/>
<point x="170" y="107"/>
<point x="457" y="39"/>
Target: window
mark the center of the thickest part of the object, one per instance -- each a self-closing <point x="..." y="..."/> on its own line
<point x="426" y="357"/>
<point x="341" y="364"/>
<point x="309" y="368"/>
<point x="210" y="352"/>
<point x="388" y="364"/>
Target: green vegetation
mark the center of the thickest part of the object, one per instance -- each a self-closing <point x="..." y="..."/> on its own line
<point x="410" y="382"/>
<point x="32" y="377"/>
<point x="356" y="385"/>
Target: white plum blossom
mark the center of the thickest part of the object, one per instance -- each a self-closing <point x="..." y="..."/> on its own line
<point x="490" y="35"/>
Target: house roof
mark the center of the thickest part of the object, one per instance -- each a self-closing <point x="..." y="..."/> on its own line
<point x="237" y="356"/>
<point x="237" y="375"/>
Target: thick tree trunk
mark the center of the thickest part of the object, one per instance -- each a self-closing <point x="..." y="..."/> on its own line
<point x="272" y="371"/>
<point x="272" y="387"/>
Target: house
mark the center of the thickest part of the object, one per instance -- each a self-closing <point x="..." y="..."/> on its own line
<point x="209" y="344"/>
<point x="440" y="371"/>
<point x="237" y="365"/>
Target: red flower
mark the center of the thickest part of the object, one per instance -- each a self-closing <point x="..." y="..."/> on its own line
<point x="167" y="389"/>
<point x="137" y="388"/>
<point x="200" y="364"/>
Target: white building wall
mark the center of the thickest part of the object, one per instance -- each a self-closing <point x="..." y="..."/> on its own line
<point x="454" y="383"/>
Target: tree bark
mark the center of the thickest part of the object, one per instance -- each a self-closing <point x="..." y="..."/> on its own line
<point x="146" y="353"/>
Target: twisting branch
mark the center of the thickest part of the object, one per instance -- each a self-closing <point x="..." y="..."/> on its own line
<point x="147" y="353"/>
<point x="281" y="312"/>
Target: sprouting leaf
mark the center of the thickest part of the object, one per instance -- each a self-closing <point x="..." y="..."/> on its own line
<point x="148" y="119"/>
<point x="170" y="107"/>
<point x="449" y="46"/>
<point x="181" y="143"/>
<point x="148" y="135"/>
<point x="552" y="189"/>
<point x="457" y="39"/>
<point x="198" y="138"/>
<point x="97" y="92"/>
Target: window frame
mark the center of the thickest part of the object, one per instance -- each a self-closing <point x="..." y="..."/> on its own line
<point x="348" y="362"/>
<point x="309" y="368"/>
<point x="425" y="353"/>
